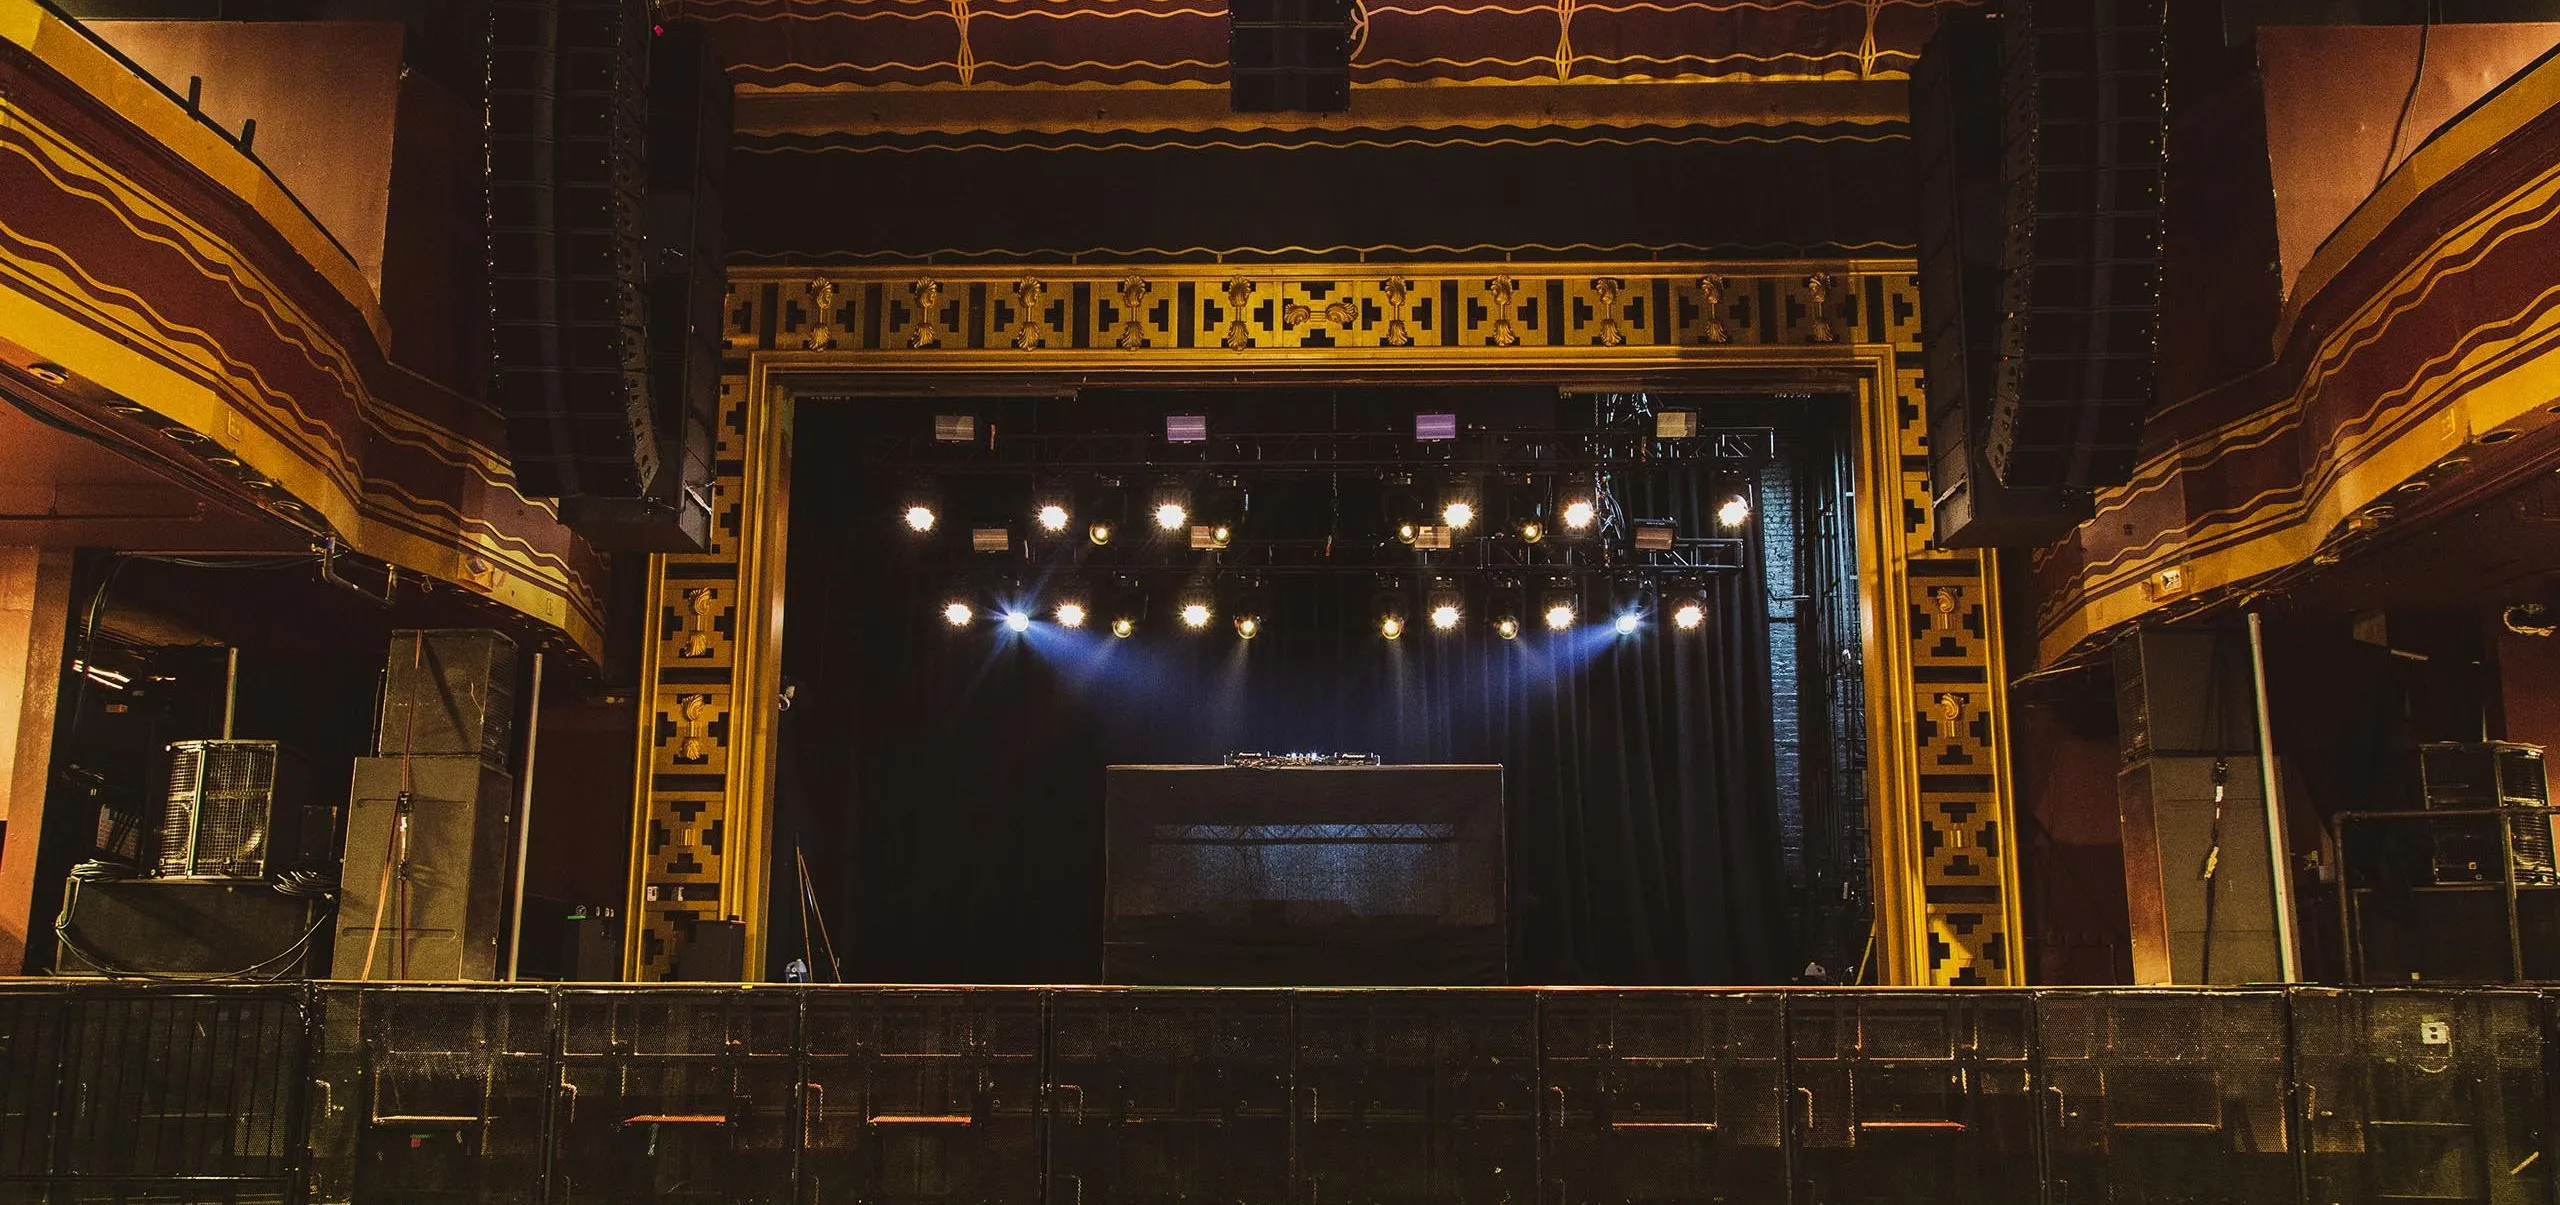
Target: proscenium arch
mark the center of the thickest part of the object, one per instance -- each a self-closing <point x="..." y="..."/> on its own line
<point x="1944" y="865"/>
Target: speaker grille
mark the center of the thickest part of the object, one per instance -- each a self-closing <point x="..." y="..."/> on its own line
<point x="220" y="808"/>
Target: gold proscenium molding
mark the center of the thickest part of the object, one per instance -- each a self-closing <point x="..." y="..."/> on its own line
<point x="1945" y="872"/>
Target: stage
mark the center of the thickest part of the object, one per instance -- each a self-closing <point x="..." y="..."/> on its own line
<point x="335" y="1092"/>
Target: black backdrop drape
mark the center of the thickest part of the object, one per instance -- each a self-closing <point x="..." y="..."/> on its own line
<point x="947" y="785"/>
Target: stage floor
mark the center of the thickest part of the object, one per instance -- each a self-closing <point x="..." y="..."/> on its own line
<point x="416" y="1093"/>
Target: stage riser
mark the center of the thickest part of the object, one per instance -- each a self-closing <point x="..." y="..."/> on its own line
<point x="1287" y="1097"/>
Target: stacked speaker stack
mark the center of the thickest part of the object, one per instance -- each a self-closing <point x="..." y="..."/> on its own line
<point x="607" y="140"/>
<point x="423" y="883"/>
<point x="2040" y="140"/>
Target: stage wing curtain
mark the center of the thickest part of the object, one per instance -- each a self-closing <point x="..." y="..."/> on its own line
<point x="947" y="785"/>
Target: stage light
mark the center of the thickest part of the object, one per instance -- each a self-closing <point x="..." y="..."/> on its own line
<point x="1675" y="424"/>
<point x="1579" y="513"/>
<point x="955" y="428"/>
<point x="958" y="614"/>
<point x="1655" y="535"/>
<point x="1070" y="615"/>
<point x="1735" y="512"/>
<point x="1195" y="615"/>
<point x="1434" y="428"/>
<point x="1186" y="428"/>
<point x="1687" y="616"/>
<point x="1099" y="533"/>
<point x="1209" y="537"/>
<point x="1171" y="516"/>
<point x="1248" y="626"/>
<point x="1124" y="627"/>
<point x="1560" y="606"/>
<point x="990" y="539"/>
<point x="1405" y="532"/>
<point x="1626" y="624"/>
<point x="1559" y="616"/>
<point x="920" y="517"/>
<point x="1448" y="606"/>
<point x="1460" y="514"/>
<point x="1053" y="518"/>
<point x="1445" y="617"/>
<point x="1390" y="607"/>
<point x="1507" y="627"/>
<point x="1532" y="531"/>
<point x="1391" y="626"/>
<point x="1016" y="621"/>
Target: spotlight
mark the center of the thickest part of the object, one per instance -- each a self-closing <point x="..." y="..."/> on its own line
<point x="1405" y="533"/>
<point x="1248" y="626"/>
<point x="1195" y="615"/>
<point x="1053" y="518"/>
<point x="1017" y="621"/>
<point x="1735" y="512"/>
<point x="1210" y="537"/>
<point x="1128" y="603"/>
<point x="1099" y="533"/>
<point x="1070" y="615"/>
<point x="1391" y="608"/>
<point x="1578" y="514"/>
<point x="1687" y="616"/>
<point x="919" y="517"/>
<point x="1170" y="516"/>
<point x="1507" y="627"/>
<point x="1124" y="627"/>
<point x="1627" y="624"/>
<point x="1559" y="607"/>
<point x="1447" y="606"/>
<point x="958" y="614"/>
<point x="1532" y="531"/>
<point x="1460" y="514"/>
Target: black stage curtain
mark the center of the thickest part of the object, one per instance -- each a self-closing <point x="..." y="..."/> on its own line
<point x="947" y="785"/>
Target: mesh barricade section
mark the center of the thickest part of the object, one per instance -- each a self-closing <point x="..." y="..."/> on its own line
<point x="152" y="1094"/>
<point x="925" y="1097"/>
<point x="2418" y="1095"/>
<point x="2170" y="1097"/>
<point x="432" y="1095"/>
<point x="1174" y="1096"/>
<point x="1659" y="1097"/>
<point x="1416" y="1097"/>
<point x="676" y="1094"/>
<point x="1912" y="1097"/>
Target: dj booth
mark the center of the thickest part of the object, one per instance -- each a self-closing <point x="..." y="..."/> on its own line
<point x="1284" y="875"/>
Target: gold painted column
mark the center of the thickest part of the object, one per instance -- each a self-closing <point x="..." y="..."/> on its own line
<point x="709" y="679"/>
<point x="1944" y="846"/>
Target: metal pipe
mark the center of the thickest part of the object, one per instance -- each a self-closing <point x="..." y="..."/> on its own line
<point x="230" y="690"/>
<point x="2279" y="851"/>
<point x="524" y="819"/>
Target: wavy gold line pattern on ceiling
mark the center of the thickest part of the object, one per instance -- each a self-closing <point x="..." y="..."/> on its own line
<point x="2214" y="530"/>
<point x="2457" y="250"/>
<point x="208" y="254"/>
<point x="72" y="287"/>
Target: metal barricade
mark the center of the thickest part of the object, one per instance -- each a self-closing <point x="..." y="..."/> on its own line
<point x="428" y="1095"/>
<point x="1912" y="1097"/>
<point x="2424" y="1095"/>
<point x="1655" y="1097"/>
<point x="673" y="1093"/>
<point x="1170" y="1095"/>
<point x="922" y="1097"/>
<point x="1416" y="1098"/>
<point x="2165" y="1096"/>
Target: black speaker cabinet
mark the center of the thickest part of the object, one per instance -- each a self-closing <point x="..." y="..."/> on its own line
<point x="449" y="691"/>
<point x="447" y="877"/>
<point x="163" y="927"/>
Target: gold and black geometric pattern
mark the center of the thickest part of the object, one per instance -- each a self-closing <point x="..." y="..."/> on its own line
<point x="990" y="319"/>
